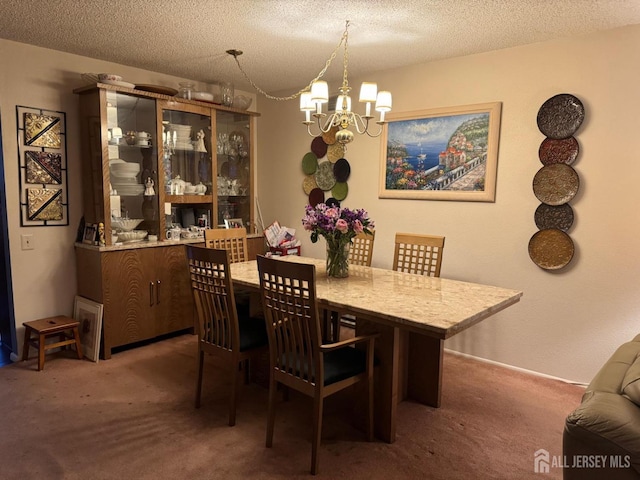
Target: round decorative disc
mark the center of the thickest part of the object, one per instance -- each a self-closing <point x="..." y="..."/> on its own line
<point x="324" y="176"/>
<point x="554" y="216"/>
<point x="319" y="147"/>
<point x="560" y="116"/>
<point x="341" y="170"/>
<point x="309" y="183"/>
<point x="556" y="184"/>
<point x="330" y="137"/>
<point x="316" y="196"/>
<point x="551" y="249"/>
<point x="340" y="190"/>
<point x="335" y="152"/>
<point x="309" y="163"/>
<point x="332" y="202"/>
<point x="558" y="151"/>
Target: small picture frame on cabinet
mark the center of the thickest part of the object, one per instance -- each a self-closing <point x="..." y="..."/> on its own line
<point x="233" y="223"/>
<point x="90" y="234"/>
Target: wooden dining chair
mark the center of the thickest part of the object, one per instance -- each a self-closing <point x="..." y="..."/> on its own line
<point x="361" y="250"/>
<point x="234" y="240"/>
<point x="221" y="331"/>
<point x="416" y="253"/>
<point x="297" y="357"/>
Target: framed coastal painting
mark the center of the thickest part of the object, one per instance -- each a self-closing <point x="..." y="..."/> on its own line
<point x="446" y="153"/>
<point x="89" y="314"/>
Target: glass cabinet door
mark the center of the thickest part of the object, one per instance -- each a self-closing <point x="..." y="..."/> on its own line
<point x="234" y="189"/>
<point x="133" y="168"/>
<point x="187" y="165"/>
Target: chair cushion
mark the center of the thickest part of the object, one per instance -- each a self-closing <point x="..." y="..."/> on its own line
<point x="344" y="363"/>
<point x="253" y="333"/>
<point x="631" y="382"/>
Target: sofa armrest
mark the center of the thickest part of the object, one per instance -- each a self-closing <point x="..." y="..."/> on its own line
<point x="603" y="424"/>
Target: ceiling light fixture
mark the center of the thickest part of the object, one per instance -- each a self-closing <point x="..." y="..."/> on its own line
<point x="316" y="93"/>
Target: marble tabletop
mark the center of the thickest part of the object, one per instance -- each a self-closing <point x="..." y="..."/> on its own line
<point x="437" y="307"/>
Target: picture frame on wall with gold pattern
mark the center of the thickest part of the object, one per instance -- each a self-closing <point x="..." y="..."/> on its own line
<point x="42" y="161"/>
<point x="448" y="153"/>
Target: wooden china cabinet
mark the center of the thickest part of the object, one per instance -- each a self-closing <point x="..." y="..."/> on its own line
<point x="197" y="168"/>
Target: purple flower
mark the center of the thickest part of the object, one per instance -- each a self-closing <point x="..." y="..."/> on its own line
<point x="337" y="225"/>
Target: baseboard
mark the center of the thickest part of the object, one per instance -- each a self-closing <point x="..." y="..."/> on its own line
<point x="517" y="369"/>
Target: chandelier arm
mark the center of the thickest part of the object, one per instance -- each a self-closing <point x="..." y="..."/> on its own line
<point x="343" y="39"/>
<point x="373" y="135"/>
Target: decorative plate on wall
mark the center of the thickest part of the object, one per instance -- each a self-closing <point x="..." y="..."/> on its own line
<point x="554" y="216"/>
<point x="319" y="147"/>
<point x="315" y="197"/>
<point x="324" y="176"/>
<point x="335" y="152"/>
<point x="330" y="137"/>
<point x="556" y="184"/>
<point x="558" y="151"/>
<point x="551" y="249"/>
<point x="342" y="170"/>
<point x="309" y="163"/>
<point x="309" y="183"/>
<point x="340" y="190"/>
<point x="560" y="116"/>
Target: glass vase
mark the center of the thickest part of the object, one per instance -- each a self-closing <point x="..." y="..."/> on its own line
<point x="338" y="260"/>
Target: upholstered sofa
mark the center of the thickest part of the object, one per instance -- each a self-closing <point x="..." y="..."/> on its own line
<point x="607" y="422"/>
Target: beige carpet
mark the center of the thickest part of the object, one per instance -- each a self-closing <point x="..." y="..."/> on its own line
<point x="132" y="417"/>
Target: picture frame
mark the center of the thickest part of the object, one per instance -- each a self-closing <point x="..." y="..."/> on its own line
<point x="448" y="153"/>
<point x="89" y="237"/>
<point x="42" y="164"/>
<point x="89" y="314"/>
<point x="233" y="223"/>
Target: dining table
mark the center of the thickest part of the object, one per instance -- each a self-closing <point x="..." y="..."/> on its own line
<point x="411" y="314"/>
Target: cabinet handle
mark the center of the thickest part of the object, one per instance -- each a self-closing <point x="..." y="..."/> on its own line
<point x="158" y="292"/>
<point x="151" y="294"/>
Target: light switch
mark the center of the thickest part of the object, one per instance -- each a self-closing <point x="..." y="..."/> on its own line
<point x="26" y="241"/>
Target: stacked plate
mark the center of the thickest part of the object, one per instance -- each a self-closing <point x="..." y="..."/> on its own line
<point x="182" y="136"/>
<point x="124" y="177"/>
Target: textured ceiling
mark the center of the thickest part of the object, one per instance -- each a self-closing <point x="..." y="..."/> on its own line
<point x="286" y="43"/>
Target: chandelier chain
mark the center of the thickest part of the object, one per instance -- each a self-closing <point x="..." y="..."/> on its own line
<point x="344" y="39"/>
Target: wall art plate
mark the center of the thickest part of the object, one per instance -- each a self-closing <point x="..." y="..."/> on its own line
<point x="560" y="116"/>
<point x="558" y="151"/>
<point x="340" y="190"/>
<point x="341" y="170"/>
<point x="554" y="216"/>
<point x="309" y="163"/>
<point x="319" y="147"/>
<point x="556" y="184"/>
<point x="551" y="249"/>
<point x="324" y="176"/>
<point x="309" y="183"/>
<point x="330" y="136"/>
<point x="335" y="152"/>
<point x="316" y="196"/>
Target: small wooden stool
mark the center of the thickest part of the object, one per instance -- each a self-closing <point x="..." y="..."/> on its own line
<point x="47" y="327"/>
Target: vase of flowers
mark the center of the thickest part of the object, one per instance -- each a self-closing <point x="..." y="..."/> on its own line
<point x="338" y="226"/>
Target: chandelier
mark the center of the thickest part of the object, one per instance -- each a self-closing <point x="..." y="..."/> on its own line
<point x="343" y="118"/>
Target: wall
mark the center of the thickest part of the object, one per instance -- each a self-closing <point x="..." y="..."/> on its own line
<point x="44" y="279"/>
<point x="568" y="322"/>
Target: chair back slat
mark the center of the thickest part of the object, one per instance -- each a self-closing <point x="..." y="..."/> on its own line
<point x="361" y="250"/>
<point x="289" y="302"/>
<point x="234" y="240"/>
<point x="213" y="296"/>
<point x="419" y="254"/>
